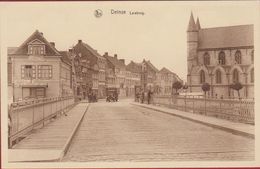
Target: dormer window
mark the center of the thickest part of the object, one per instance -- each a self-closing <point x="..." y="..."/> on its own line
<point x="36" y="47"/>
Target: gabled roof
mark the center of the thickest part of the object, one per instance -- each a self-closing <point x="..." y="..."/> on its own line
<point x="151" y="65"/>
<point x="165" y="70"/>
<point x="49" y="49"/>
<point x="134" y="67"/>
<point x="192" y="25"/>
<point x="223" y="37"/>
<point x="65" y="57"/>
<point x="117" y="63"/>
<point x="90" y="49"/>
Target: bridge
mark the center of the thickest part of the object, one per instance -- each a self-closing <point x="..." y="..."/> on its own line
<point x="62" y="130"/>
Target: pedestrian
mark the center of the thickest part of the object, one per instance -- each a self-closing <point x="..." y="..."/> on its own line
<point x="142" y="97"/>
<point x="149" y="96"/>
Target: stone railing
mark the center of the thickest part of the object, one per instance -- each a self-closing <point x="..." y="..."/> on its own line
<point x="27" y="115"/>
<point x="230" y="109"/>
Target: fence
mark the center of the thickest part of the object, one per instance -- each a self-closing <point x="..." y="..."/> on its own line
<point x="27" y="115"/>
<point x="230" y="109"/>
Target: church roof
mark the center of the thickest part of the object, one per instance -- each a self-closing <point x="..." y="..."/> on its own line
<point x="49" y="49"/>
<point x="192" y="25"/>
<point x="224" y="37"/>
<point x="198" y="24"/>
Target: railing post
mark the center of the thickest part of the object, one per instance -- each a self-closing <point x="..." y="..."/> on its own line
<point x="193" y="111"/>
<point x="43" y="114"/>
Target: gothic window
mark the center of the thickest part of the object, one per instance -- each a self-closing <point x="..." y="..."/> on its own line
<point x="235" y="76"/>
<point x="206" y="59"/>
<point x="221" y="58"/>
<point x="218" y="77"/>
<point x="202" y="76"/>
<point x="252" y="56"/>
<point x="238" y="57"/>
<point x="252" y="74"/>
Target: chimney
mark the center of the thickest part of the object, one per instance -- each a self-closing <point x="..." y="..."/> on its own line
<point x="122" y="60"/>
<point x="79" y="41"/>
<point x="41" y="33"/>
<point x="115" y="56"/>
<point x="106" y="54"/>
<point x="52" y="44"/>
<point x="70" y="50"/>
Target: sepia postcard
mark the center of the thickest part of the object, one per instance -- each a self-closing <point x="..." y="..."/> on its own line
<point x="132" y="84"/>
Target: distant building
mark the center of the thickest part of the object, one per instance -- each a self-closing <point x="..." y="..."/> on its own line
<point x="164" y="80"/>
<point x="37" y="69"/>
<point x="118" y="68"/>
<point x="97" y="64"/>
<point x="220" y="56"/>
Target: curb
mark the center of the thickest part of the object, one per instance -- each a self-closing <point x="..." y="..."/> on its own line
<point x="230" y="130"/>
<point x="68" y="142"/>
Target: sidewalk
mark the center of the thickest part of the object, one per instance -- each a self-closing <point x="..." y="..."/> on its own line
<point x="51" y="142"/>
<point x="242" y="129"/>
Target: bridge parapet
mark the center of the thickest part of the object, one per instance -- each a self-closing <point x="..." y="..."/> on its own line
<point x="27" y="115"/>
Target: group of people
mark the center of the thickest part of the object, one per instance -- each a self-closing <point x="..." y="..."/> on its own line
<point x="144" y="96"/>
<point x="92" y="97"/>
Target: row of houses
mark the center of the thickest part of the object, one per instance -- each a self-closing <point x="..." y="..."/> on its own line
<point x="37" y="69"/>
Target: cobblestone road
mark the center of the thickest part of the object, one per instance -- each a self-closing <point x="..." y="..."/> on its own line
<point x="122" y="132"/>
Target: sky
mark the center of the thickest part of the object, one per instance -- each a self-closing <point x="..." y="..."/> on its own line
<point x="159" y="35"/>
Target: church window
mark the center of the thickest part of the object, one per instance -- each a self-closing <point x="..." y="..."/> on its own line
<point x="218" y="77"/>
<point x="235" y="76"/>
<point x="221" y="58"/>
<point x="252" y="74"/>
<point x="238" y="57"/>
<point x="206" y="59"/>
<point x="202" y="76"/>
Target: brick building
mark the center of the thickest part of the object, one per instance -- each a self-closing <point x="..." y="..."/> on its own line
<point x="37" y="69"/>
<point x="97" y="67"/>
<point x="164" y="80"/>
<point x="220" y="56"/>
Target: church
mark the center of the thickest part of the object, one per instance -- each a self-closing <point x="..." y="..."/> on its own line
<point x="220" y="56"/>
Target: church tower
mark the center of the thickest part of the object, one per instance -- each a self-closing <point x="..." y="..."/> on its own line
<point x="192" y="42"/>
<point x="192" y="46"/>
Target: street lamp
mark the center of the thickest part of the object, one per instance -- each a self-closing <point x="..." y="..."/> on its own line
<point x="185" y="87"/>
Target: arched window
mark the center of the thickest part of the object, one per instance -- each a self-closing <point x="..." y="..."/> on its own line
<point x="238" y="57"/>
<point x="252" y="75"/>
<point x="202" y="76"/>
<point x="206" y="59"/>
<point x="235" y="76"/>
<point x="252" y="56"/>
<point x="218" y="76"/>
<point x="221" y="58"/>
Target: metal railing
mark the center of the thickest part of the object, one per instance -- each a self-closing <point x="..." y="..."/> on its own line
<point x="230" y="109"/>
<point x="27" y="115"/>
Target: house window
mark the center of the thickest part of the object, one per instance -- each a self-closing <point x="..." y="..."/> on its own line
<point x="252" y="56"/>
<point x="206" y="59"/>
<point x="28" y="72"/>
<point x="252" y="75"/>
<point x="218" y="77"/>
<point x="37" y="92"/>
<point x="238" y="57"/>
<point x="235" y="76"/>
<point x="202" y="76"/>
<point x="44" y="71"/>
<point x="221" y="58"/>
<point x="36" y="49"/>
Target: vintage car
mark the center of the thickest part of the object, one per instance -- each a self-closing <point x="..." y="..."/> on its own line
<point x="112" y="94"/>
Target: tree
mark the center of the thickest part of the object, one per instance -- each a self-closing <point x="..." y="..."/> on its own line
<point x="177" y="85"/>
<point x="237" y="86"/>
